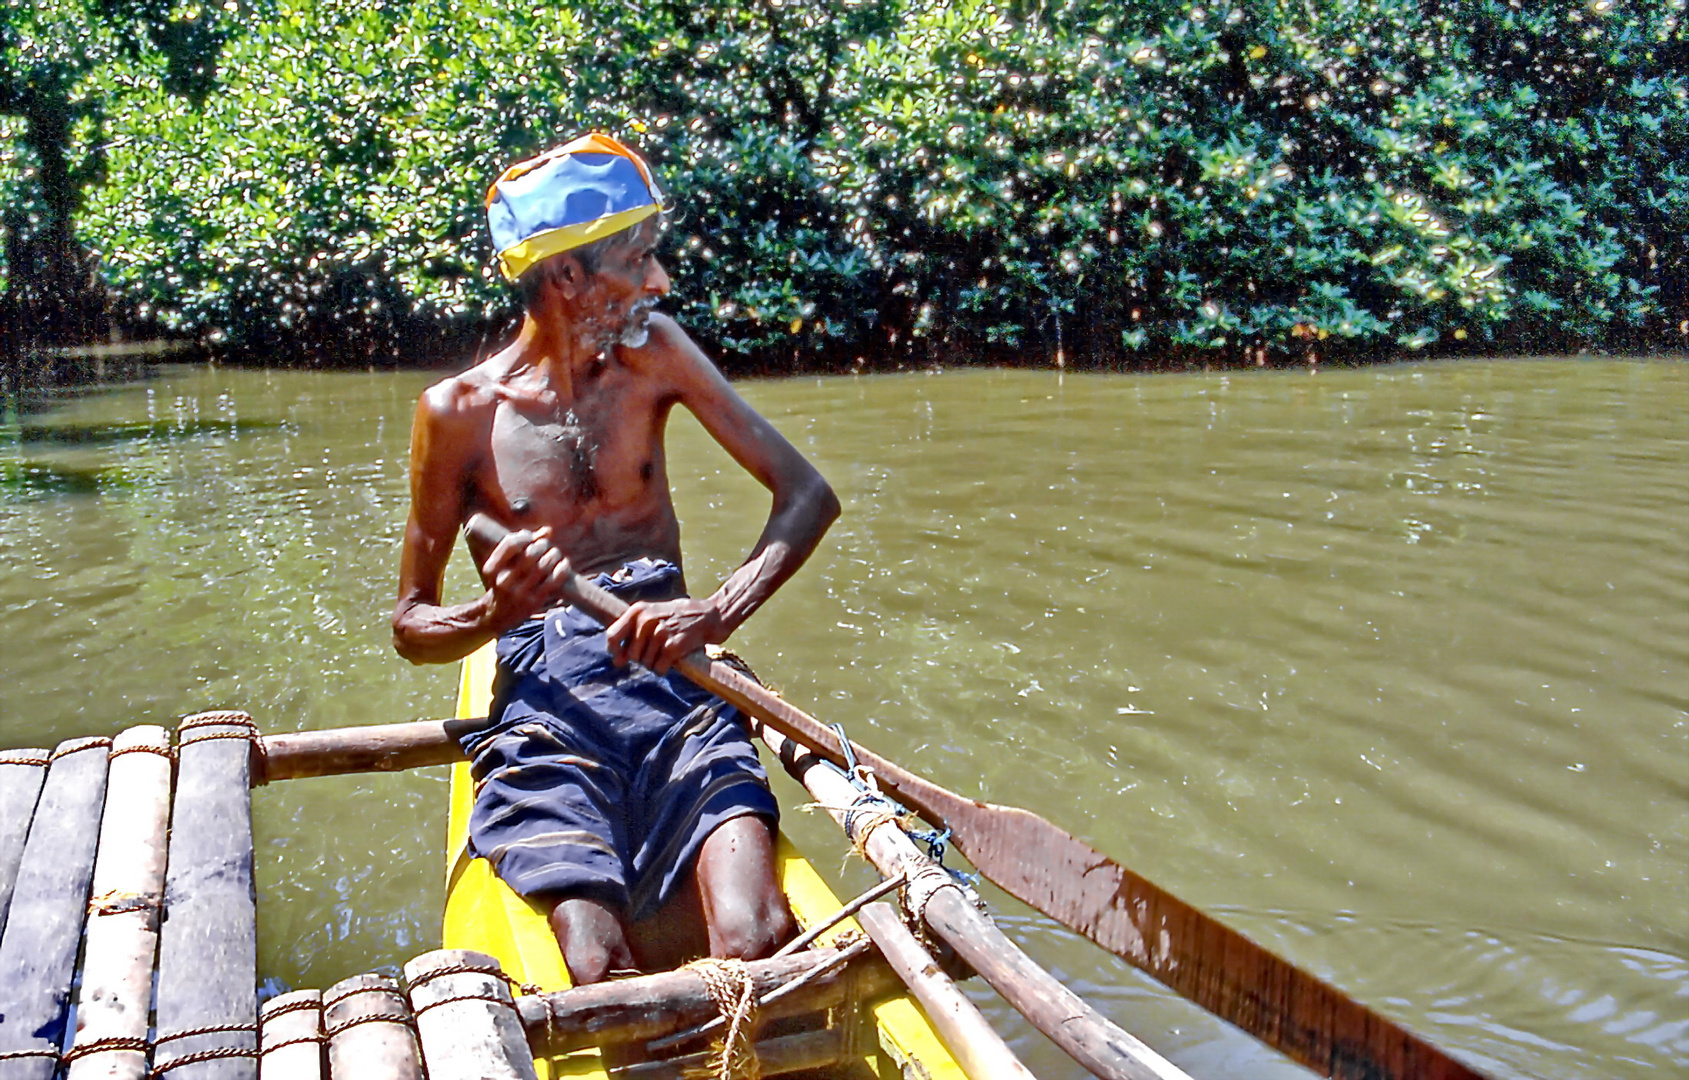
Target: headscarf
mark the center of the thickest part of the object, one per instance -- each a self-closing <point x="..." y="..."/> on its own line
<point x="584" y="190"/>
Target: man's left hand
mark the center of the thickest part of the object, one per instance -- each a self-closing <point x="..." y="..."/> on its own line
<point x="660" y="634"/>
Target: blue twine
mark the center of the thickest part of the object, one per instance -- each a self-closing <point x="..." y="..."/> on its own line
<point x="938" y="843"/>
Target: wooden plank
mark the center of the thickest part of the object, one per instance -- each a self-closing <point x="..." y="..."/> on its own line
<point x="121" y="939"/>
<point x="208" y="947"/>
<point x="370" y="1032"/>
<point x="290" y="1037"/>
<point x="49" y="904"/>
<point x="466" y="1018"/>
<point x="981" y="1051"/>
<point x="22" y="773"/>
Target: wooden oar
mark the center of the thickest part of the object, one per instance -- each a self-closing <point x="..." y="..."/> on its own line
<point x="1055" y="872"/>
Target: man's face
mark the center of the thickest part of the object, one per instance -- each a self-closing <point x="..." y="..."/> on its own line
<point x="627" y="285"/>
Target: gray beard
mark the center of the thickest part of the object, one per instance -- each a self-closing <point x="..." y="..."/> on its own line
<point x="638" y="330"/>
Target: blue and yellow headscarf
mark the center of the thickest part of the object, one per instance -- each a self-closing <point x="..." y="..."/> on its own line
<point x="574" y="194"/>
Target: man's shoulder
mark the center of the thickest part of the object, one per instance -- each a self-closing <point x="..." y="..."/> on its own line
<point x="669" y="354"/>
<point x="460" y="398"/>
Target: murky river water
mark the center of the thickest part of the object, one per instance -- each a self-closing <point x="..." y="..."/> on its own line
<point x="1389" y="668"/>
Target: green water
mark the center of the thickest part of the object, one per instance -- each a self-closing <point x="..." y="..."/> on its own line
<point x="1389" y="668"/>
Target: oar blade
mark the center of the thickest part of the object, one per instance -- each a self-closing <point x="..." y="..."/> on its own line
<point x="1192" y="953"/>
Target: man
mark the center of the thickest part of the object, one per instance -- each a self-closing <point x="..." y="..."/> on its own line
<point x="606" y="786"/>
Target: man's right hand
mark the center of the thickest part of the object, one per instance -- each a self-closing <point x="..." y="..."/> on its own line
<point x="524" y="576"/>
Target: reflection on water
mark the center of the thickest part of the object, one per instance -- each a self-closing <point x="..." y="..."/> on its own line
<point x="1385" y="667"/>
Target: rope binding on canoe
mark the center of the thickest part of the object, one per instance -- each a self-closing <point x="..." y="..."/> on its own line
<point x="734" y="992"/>
<point x="163" y="751"/>
<point x="873" y="807"/>
<point x="273" y="1011"/>
<point x="298" y="1040"/>
<point x="216" y="1053"/>
<point x="76" y="746"/>
<point x="403" y="1019"/>
<point x="24" y="757"/>
<point x="270" y="1013"/>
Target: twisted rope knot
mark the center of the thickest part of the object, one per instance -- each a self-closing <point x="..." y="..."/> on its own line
<point x="920" y="888"/>
<point x="734" y="992"/>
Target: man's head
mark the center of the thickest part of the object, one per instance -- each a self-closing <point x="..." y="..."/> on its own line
<point x="595" y="200"/>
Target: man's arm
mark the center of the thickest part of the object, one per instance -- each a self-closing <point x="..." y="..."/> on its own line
<point x="804" y="505"/>
<point x="521" y="570"/>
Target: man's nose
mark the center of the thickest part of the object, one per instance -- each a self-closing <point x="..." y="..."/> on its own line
<point x="657" y="279"/>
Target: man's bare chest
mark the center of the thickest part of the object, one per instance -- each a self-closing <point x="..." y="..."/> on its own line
<point x="571" y="459"/>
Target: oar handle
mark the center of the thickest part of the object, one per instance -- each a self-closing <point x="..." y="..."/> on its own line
<point x="601" y="604"/>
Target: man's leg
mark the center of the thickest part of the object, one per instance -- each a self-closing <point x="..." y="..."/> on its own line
<point x="592" y="938"/>
<point x="745" y="913"/>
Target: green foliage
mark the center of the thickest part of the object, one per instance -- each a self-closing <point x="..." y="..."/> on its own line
<point x="938" y="180"/>
<point x="53" y="55"/>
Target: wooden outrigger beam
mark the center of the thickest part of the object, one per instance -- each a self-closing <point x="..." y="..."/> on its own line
<point x="978" y="1048"/>
<point x="370" y="748"/>
<point x="1050" y="869"/>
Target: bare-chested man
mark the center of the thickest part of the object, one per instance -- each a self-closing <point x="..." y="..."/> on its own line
<point x="606" y="786"/>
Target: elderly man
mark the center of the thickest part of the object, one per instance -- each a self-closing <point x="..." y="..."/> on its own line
<point x="606" y="786"/>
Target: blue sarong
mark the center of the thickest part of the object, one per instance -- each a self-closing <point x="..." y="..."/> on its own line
<point x="599" y="781"/>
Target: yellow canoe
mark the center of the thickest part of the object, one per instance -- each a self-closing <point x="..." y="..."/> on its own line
<point x="482" y="913"/>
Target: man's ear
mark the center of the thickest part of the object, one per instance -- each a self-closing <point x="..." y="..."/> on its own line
<point x="568" y="276"/>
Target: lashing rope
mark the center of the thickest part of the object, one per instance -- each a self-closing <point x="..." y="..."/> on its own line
<point x="109" y="1043"/>
<point x="529" y="989"/>
<point x="403" y="1019"/>
<point x="734" y="992"/>
<point x="215" y="1053"/>
<point x="225" y="718"/>
<point x="873" y="808"/>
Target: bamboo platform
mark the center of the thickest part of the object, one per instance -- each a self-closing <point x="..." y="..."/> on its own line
<point x="128" y="947"/>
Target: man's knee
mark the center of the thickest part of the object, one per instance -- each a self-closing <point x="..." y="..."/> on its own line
<point x="745" y="913"/>
<point x="752" y="931"/>
<point x="593" y="941"/>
